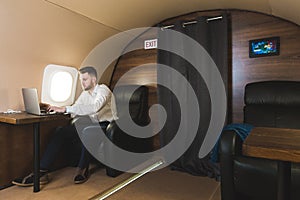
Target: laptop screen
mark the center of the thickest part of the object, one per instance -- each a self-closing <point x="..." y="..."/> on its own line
<point x="31" y="101"/>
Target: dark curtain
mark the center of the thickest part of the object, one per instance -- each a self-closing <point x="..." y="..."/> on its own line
<point x="213" y="36"/>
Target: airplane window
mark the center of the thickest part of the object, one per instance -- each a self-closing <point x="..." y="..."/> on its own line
<point x="59" y="85"/>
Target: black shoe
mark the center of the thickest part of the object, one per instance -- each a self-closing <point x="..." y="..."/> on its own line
<point x="28" y="180"/>
<point x="81" y="178"/>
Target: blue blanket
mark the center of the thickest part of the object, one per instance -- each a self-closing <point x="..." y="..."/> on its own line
<point x="242" y="130"/>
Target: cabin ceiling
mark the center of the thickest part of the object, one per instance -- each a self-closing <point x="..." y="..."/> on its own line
<point x="126" y="14"/>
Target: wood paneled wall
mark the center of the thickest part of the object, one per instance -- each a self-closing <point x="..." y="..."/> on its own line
<point x="137" y="58"/>
<point x="245" y="26"/>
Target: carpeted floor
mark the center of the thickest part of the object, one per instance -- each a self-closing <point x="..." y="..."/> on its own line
<point x="163" y="184"/>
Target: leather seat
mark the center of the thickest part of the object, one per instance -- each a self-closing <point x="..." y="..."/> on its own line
<point x="267" y="104"/>
<point x="138" y="109"/>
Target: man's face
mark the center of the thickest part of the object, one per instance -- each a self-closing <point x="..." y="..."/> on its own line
<point x="87" y="81"/>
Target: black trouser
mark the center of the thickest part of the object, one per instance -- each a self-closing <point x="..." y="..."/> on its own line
<point x="66" y="136"/>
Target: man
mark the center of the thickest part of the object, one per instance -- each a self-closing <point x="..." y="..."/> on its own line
<point x="97" y="102"/>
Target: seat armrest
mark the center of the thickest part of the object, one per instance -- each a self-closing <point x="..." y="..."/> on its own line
<point x="230" y="143"/>
<point x="126" y="142"/>
<point x="111" y="131"/>
<point x="230" y="146"/>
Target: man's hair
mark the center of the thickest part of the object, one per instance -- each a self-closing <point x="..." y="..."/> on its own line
<point x="90" y="70"/>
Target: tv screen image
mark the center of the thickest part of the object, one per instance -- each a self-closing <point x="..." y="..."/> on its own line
<point x="264" y="47"/>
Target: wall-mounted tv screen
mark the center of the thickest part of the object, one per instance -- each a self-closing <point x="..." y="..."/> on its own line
<point x="264" y="47"/>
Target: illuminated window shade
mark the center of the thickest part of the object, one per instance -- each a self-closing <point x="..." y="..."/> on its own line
<point x="61" y="86"/>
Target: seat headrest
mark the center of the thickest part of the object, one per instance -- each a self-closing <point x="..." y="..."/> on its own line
<point x="273" y="93"/>
<point x="124" y="93"/>
<point x="137" y="96"/>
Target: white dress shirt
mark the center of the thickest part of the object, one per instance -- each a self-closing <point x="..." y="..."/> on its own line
<point x="99" y="105"/>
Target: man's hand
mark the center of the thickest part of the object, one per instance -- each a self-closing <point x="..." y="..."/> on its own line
<point x="44" y="106"/>
<point x="56" y="109"/>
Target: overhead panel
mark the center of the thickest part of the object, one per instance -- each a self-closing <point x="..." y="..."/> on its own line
<point x="124" y="15"/>
<point x="127" y="14"/>
<point x="287" y="9"/>
<point x="251" y="5"/>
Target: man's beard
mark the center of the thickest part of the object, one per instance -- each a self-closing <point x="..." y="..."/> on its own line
<point x="87" y="88"/>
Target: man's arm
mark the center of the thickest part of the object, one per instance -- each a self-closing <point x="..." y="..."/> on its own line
<point x="57" y="109"/>
<point x="81" y="107"/>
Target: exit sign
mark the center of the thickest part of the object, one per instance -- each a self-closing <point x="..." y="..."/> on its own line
<point x="150" y="44"/>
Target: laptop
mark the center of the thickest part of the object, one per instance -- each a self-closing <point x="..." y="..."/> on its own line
<point x="31" y="102"/>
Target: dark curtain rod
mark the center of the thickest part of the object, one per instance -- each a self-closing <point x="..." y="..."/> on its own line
<point x="192" y="22"/>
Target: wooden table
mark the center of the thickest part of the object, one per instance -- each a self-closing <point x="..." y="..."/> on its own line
<point x="24" y="118"/>
<point x="278" y="144"/>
